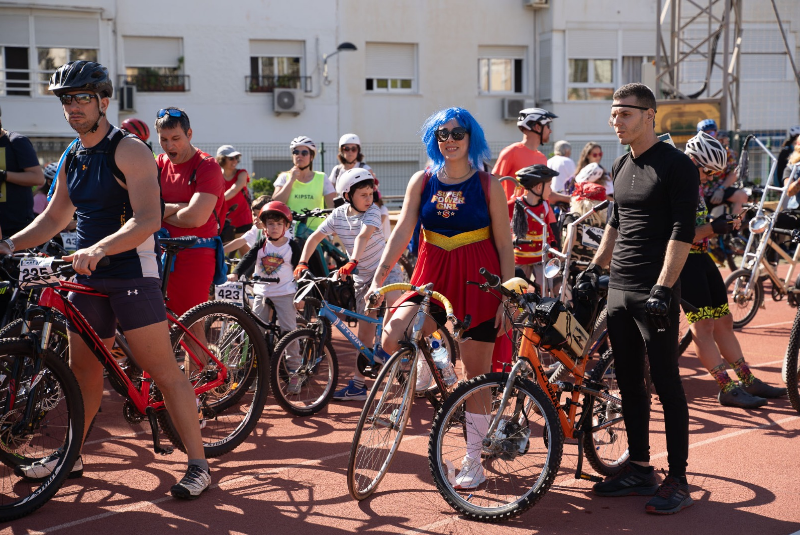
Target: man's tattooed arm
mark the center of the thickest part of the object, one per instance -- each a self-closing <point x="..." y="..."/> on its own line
<point x="382" y="273"/>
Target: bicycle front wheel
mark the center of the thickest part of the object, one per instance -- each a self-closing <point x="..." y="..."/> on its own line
<point x="518" y="461"/>
<point x="231" y="410"/>
<point x="382" y="424"/>
<point x="791" y="364"/>
<point x="744" y="306"/>
<point x="605" y="445"/>
<point x="54" y="426"/>
<point x="303" y="373"/>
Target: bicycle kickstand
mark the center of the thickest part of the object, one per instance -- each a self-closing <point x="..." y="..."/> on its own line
<point x="579" y="474"/>
<point x="151" y="416"/>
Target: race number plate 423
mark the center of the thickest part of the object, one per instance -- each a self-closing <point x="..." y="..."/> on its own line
<point x="230" y="292"/>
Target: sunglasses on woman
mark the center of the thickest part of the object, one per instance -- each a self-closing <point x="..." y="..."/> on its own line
<point x="300" y="152"/>
<point x="349" y="149"/>
<point x="458" y="134"/>
<point x="709" y="172"/>
<point x="80" y="98"/>
<point x="596" y="155"/>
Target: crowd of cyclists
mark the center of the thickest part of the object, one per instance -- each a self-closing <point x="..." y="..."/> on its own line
<point x="464" y="219"/>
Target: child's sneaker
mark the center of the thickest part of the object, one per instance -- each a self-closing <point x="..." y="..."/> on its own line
<point x="351" y="393"/>
<point x="471" y="475"/>
<point x="294" y="385"/>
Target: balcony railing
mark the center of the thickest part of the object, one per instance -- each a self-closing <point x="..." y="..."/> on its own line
<point x="266" y="84"/>
<point x="160" y="83"/>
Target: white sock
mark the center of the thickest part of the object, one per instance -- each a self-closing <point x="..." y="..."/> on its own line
<point x="477" y="426"/>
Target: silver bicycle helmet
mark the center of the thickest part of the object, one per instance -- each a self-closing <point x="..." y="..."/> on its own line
<point x="707" y="151"/>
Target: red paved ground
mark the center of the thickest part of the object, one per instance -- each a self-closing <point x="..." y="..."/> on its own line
<point x="290" y="476"/>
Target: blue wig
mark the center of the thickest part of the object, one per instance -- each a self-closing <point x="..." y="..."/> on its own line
<point x="478" y="148"/>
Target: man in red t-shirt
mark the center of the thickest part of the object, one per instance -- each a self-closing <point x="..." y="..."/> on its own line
<point x="193" y="190"/>
<point x="534" y="123"/>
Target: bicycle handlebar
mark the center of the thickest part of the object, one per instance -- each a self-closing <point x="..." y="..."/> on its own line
<point x="458" y="326"/>
<point x="793" y="234"/>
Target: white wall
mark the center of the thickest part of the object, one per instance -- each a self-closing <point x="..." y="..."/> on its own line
<point x="447" y="34"/>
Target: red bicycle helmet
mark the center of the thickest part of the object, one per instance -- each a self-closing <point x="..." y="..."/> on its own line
<point x="276" y="207"/>
<point x="137" y="127"/>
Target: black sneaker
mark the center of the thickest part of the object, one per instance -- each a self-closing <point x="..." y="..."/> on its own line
<point x="763" y="390"/>
<point x="672" y="497"/>
<point x="738" y="397"/>
<point x="193" y="483"/>
<point x="628" y="482"/>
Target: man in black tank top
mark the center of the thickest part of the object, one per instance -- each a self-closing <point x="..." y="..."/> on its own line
<point x="85" y="89"/>
<point x="646" y="243"/>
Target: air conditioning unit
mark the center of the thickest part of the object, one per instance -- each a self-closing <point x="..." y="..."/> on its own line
<point x="512" y="107"/>
<point x="536" y="4"/>
<point x="127" y="98"/>
<point x="288" y="101"/>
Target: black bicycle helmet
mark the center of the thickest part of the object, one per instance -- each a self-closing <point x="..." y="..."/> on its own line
<point x="534" y="175"/>
<point x="81" y="75"/>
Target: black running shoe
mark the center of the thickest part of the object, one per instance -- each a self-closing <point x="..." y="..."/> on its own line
<point x="739" y="397"/>
<point x="628" y="482"/>
<point x="193" y="483"/>
<point x="763" y="390"/>
<point x="672" y="497"/>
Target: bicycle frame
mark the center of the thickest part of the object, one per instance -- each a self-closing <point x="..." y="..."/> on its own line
<point x="51" y="299"/>
<point x="758" y="241"/>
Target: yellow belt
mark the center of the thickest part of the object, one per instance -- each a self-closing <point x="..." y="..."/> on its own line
<point x="448" y="244"/>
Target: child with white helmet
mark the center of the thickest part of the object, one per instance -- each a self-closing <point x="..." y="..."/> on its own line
<point x="358" y="226"/>
<point x="350" y="157"/>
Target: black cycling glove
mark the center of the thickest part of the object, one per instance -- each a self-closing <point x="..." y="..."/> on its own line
<point x="722" y="224"/>
<point x="657" y="307"/>
<point x="586" y="283"/>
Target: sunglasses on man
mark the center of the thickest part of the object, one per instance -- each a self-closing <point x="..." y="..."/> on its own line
<point x="172" y="112"/>
<point x="80" y="98"/>
<point x="457" y="133"/>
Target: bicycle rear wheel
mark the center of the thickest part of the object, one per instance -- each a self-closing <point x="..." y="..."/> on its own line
<point x="791" y="364"/>
<point x="303" y="373"/>
<point x="231" y="410"/>
<point x="519" y="463"/>
<point x="382" y="424"/>
<point x="605" y="445"/>
<point x="744" y="306"/>
<point x="56" y="426"/>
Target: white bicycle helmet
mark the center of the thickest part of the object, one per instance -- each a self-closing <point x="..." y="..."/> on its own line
<point x="349" y="139"/>
<point x="707" y="151"/>
<point x="795" y="130"/>
<point x="531" y="116"/>
<point x="303" y="141"/>
<point x="590" y="173"/>
<point x="350" y="178"/>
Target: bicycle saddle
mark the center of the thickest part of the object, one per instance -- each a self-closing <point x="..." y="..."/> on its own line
<point x="183" y="242"/>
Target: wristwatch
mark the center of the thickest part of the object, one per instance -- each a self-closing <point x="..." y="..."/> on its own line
<point x="3" y="175"/>
<point x="10" y="244"/>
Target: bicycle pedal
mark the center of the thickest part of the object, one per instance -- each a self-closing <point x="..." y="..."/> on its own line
<point x="589" y="477"/>
<point x="164" y="451"/>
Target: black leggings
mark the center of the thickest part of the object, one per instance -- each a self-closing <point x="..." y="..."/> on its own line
<point x="632" y="337"/>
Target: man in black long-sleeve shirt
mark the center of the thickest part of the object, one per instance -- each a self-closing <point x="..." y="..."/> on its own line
<point x="646" y="242"/>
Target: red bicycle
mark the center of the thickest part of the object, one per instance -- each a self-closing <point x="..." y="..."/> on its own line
<point x="41" y="409"/>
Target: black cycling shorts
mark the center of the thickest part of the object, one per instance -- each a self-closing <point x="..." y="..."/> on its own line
<point x="134" y="303"/>
<point x="485" y="332"/>
<point x="703" y="288"/>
